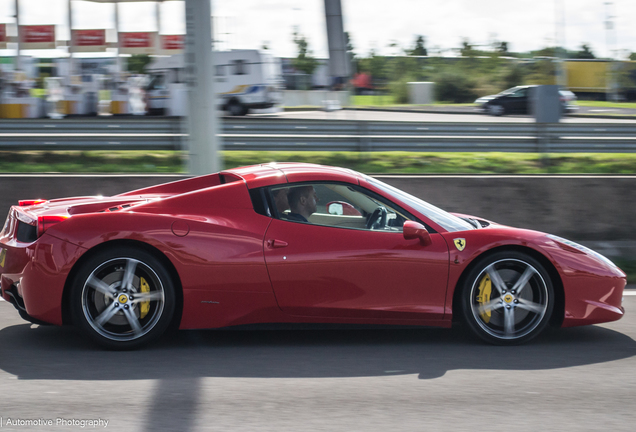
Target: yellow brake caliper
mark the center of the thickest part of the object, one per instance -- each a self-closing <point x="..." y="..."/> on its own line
<point x="485" y="290"/>
<point x="144" y="307"/>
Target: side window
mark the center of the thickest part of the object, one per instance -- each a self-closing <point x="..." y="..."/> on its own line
<point x="520" y="93"/>
<point x="219" y="70"/>
<point x="157" y="83"/>
<point x="239" y="67"/>
<point x="336" y="204"/>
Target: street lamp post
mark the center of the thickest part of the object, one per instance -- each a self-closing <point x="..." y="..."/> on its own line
<point x="559" y="41"/>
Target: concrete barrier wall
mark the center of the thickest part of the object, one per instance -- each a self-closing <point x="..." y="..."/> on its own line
<point x="293" y="98"/>
<point x="590" y="209"/>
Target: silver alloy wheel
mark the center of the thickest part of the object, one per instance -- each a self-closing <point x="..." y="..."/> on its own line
<point x="517" y="301"/>
<point x="123" y="299"/>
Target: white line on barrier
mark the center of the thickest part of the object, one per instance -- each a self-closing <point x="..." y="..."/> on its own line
<point x="537" y="176"/>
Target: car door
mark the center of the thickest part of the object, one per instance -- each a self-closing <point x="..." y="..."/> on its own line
<point x="337" y="269"/>
<point x="518" y="101"/>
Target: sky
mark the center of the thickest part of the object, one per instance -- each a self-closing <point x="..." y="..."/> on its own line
<point x="373" y="24"/>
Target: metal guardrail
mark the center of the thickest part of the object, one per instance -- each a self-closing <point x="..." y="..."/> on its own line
<point x="317" y="135"/>
<point x="111" y="125"/>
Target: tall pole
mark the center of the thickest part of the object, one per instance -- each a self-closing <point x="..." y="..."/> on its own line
<point x="559" y="41"/>
<point x="117" y="58"/>
<point x="204" y="144"/>
<point x="18" y="65"/>
<point x="609" y="27"/>
<point x="158" y="14"/>
<point x="70" y="42"/>
<point x="339" y="67"/>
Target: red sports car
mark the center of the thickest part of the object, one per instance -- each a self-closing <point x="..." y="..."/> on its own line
<point x="291" y="243"/>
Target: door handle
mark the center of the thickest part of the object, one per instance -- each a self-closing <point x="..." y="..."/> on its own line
<point x="274" y="244"/>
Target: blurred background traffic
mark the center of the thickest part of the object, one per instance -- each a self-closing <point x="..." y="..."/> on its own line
<point x="99" y="57"/>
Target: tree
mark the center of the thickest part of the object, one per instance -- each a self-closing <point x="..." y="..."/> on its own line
<point x="502" y="47"/>
<point x="585" y="53"/>
<point x="350" y="47"/>
<point x="396" y="47"/>
<point x="514" y="75"/>
<point x="377" y="66"/>
<point x="304" y="62"/>
<point x="137" y="63"/>
<point x="467" y="49"/>
<point x="632" y="56"/>
<point x="419" y="49"/>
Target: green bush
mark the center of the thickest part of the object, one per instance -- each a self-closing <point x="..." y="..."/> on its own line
<point x="455" y="86"/>
<point x="399" y="89"/>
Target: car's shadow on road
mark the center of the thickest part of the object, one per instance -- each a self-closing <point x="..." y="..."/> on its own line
<point x="53" y="353"/>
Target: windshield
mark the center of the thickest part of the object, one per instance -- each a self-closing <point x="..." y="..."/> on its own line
<point x="442" y="218"/>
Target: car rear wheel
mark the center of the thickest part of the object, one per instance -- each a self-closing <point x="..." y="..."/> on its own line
<point x="122" y="298"/>
<point x="507" y="298"/>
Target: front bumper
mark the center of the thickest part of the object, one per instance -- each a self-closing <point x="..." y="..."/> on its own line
<point x="592" y="300"/>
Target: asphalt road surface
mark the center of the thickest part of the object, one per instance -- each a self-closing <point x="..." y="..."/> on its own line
<point x="579" y="379"/>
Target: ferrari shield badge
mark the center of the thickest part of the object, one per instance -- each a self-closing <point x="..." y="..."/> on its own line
<point x="460" y="243"/>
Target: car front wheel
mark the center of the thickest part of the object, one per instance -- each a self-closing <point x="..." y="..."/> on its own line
<point x="507" y="298"/>
<point x="495" y="110"/>
<point x="236" y="109"/>
<point x="122" y="298"/>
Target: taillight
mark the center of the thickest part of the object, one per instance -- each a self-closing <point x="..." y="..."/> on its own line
<point x="46" y="222"/>
<point x="24" y="203"/>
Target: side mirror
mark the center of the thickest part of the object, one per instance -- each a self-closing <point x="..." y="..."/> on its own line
<point x="341" y="208"/>
<point x="414" y="230"/>
<point x="335" y="208"/>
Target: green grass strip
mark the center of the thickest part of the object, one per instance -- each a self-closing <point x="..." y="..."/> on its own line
<point x="375" y="162"/>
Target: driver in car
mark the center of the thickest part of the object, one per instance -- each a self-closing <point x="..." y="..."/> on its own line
<point x="302" y="203"/>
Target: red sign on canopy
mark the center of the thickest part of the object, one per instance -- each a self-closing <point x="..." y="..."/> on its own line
<point x="37" y="35"/>
<point x="136" y="40"/>
<point x="172" y="42"/>
<point x="89" y="38"/>
<point x="3" y="36"/>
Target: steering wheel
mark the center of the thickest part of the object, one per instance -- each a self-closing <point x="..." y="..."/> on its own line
<point x="377" y="220"/>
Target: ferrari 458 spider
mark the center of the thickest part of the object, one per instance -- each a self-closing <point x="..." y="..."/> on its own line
<point x="291" y="243"/>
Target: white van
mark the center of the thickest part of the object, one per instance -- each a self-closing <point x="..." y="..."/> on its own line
<point x="245" y="79"/>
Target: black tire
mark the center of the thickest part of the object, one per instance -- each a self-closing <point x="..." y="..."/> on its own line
<point x="507" y="298"/>
<point x="236" y="108"/>
<point x="120" y="314"/>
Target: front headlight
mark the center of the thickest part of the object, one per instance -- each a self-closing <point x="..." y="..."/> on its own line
<point x="583" y="249"/>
